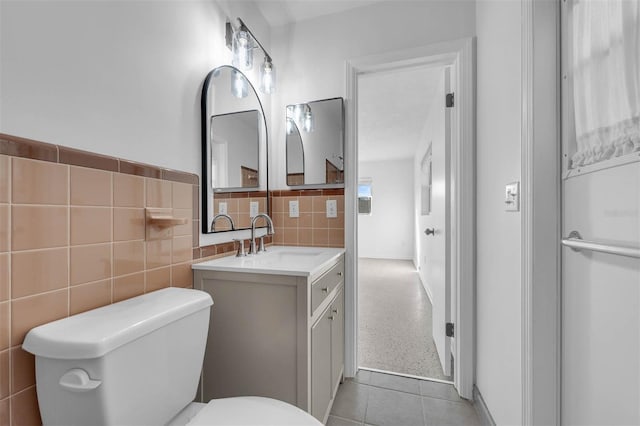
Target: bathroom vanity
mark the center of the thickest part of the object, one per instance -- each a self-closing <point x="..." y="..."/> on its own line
<point x="277" y="326"/>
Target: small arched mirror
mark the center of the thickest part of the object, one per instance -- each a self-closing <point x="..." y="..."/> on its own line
<point x="234" y="146"/>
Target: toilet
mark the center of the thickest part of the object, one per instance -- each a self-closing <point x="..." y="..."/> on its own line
<point x="138" y="362"/>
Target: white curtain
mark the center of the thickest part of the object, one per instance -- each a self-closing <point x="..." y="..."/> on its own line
<point x="605" y="66"/>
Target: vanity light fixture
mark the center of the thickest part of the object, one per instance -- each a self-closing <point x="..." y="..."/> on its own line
<point x="242" y="48"/>
<point x="267" y="76"/>
<point x="241" y="41"/>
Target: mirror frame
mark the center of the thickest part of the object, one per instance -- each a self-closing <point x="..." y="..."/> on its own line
<point x="316" y="185"/>
<point x="207" y="191"/>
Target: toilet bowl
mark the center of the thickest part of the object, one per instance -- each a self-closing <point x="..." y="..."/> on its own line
<point x="138" y="362"/>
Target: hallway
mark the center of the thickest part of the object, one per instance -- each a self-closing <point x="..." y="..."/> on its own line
<point x="394" y="320"/>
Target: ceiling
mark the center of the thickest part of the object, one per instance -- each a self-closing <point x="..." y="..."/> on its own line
<point x="392" y="111"/>
<point x="283" y="12"/>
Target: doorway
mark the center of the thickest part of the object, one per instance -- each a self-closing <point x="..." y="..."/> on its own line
<point x="459" y="56"/>
<point x="402" y="272"/>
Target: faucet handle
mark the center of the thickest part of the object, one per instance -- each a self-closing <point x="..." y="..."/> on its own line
<point x="262" y="244"/>
<point x="240" y="252"/>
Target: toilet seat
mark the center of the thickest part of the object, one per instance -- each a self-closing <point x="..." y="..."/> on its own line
<point x="251" y="410"/>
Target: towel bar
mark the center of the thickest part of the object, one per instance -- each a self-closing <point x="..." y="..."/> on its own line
<point x="576" y="243"/>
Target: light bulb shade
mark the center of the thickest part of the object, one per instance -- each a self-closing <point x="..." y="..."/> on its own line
<point x="267" y="77"/>
<point x="298" y="113"/>
<point x="239" y="85"/>
<point x="242" y="48"/>
<point x="307" y="125"/>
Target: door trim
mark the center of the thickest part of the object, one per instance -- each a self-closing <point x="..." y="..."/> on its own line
<point x="541" y="213"/>
<point x="461" y="55"/>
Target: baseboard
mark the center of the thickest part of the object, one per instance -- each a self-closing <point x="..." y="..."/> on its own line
<point x="427" y="289"/>
<point x="383" y="257"/>
<point x="481" y="408"/>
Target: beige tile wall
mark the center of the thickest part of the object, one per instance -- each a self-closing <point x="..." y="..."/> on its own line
<point x="239" y="210"/>
<point x="312" y="227"/>
<point x="73" y="239"/>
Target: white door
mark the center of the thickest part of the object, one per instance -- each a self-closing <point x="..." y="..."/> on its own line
<point x="435" y="225"/>
<point x="601" y="202"/>
<point x="601" y="300"/>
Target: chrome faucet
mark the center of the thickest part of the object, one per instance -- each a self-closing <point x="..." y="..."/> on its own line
<point x="218" y="216"/>
<point x="270" y="231"/>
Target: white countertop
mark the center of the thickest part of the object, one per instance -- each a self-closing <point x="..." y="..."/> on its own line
<point x="277" y="260"/>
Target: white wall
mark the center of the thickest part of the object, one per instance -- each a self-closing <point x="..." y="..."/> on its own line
<point x="388" y="233"/>
<point x="117" y="78"/>
<point x="498" y="366"/>
<point x="311" y="54"/>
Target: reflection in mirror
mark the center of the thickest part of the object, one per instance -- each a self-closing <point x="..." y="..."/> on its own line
<point x="234" y="150"/>
<point x="315" y="143"/>
<point x="295" y="155"/>
<point x="234" y="143"/>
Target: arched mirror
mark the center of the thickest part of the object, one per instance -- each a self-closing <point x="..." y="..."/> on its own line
<point x="234" y="151"/>
<point x="315" y="143"/>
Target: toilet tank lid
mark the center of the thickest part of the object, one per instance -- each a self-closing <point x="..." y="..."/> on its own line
<point x="95" y="333"/>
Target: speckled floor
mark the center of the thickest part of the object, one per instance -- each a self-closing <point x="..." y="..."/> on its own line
<point x="394" y="324"/>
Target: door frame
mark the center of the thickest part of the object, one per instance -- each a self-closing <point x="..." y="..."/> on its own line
<point x="541" y="204"/>
<point x="460" y="54"/>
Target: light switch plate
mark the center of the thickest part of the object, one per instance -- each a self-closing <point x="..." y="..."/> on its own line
<point x="294" y="209"/>
<point x="332" y="208"/>
<point x="222" y="207"/>
<point x="254" y="207"/>
<point x="512" y="197"/>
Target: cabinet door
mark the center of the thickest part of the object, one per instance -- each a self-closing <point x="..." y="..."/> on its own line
<point x="321" y="366"/>
<point x="337" y="339"/>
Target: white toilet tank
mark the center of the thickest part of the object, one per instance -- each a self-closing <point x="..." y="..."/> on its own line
<point x="135" y="362"/>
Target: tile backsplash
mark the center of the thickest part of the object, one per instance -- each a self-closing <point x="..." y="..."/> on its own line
<point x="72" y="238"/>
<point x="312" y="227"/>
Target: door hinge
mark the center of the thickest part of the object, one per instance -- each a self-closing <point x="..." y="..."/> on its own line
<point x="449" y="100"/>
<point x="449" y="329"/>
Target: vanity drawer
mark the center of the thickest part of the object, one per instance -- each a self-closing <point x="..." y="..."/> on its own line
<point x="324" y="285"/>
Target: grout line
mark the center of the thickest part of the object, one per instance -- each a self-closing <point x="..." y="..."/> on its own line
<point x="145" y="184"/>
<point x="44" y="293"/>
<point x="10" y="300"/>
<point x="410" y="376"/>
<point x="68" y="240"/>
<point x="113" y="231"/>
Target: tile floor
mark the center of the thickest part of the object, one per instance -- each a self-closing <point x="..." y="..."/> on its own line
<point x="373" y="398"/>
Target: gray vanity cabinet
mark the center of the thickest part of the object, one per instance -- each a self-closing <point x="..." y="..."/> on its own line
<point x="275" y="335"/>
<point x="337" y="340"/>
<point x="327" y="356"/>
<point x="321" y="365"/>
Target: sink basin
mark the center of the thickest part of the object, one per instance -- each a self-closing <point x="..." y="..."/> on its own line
<point x="282" y="260"/>
<point x="297" y="254"/>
